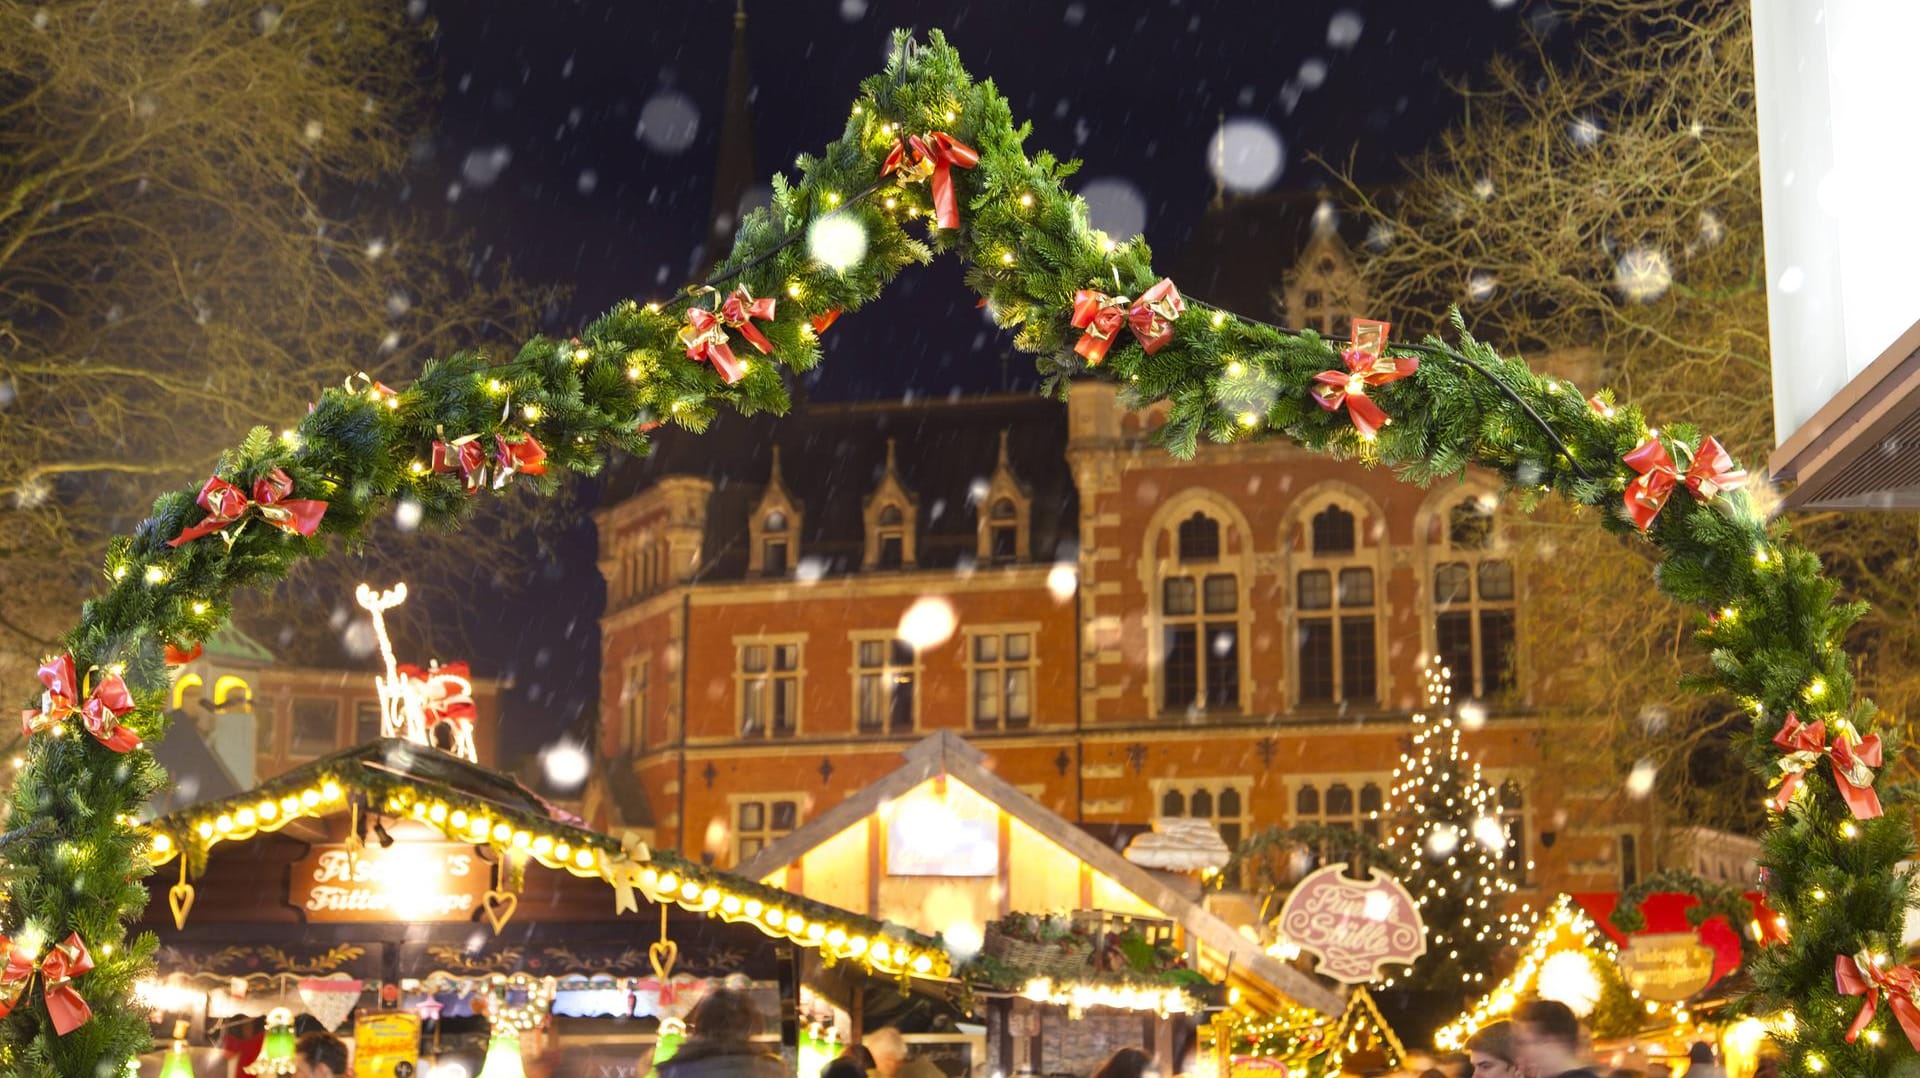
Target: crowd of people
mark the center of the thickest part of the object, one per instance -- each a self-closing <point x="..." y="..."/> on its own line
<point x="1543" y="1040"/>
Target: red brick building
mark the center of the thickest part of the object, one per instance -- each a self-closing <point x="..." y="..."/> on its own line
<point x="1237" y="637"/>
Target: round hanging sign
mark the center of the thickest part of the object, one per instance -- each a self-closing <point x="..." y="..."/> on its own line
<point x="1353" y="926"/>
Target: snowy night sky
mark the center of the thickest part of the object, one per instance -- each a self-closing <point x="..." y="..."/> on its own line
<point x="538" y="147"/>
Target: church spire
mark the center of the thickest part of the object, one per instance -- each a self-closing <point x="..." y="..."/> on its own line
<point x="735" y="171"/>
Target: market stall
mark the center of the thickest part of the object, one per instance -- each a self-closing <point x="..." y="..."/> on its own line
<point x="396" y="879"/>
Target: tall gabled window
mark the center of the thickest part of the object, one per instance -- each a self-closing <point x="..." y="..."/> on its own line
<point x="1474" y="602"/>
<point x="1336" y="611"/>
<point x="1200" y="623"/>
<point x="1003" y="531"/>
<point x="773" y="544"/>
<point x="890" y="538"/>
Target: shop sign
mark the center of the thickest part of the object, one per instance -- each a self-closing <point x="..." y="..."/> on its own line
<point x="409" y="881"/>
<point x="1667" y="966"/>
<point x="387" y="1045"/>
<point x="1353" y="926"/>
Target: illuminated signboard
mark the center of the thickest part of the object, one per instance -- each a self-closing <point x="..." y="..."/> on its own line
<point x="952" y="833"/>
<point x="410" y="881"/>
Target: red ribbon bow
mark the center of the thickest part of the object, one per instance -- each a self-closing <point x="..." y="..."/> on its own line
<point x="523" y="454"/>
<point x="464" y="454"/>
<point x="1151" y="318"/>
<point x="705" y="336"/>
<point x="1710" y="474"/>
<point x="933" y="156"/>
<point x="1367" y="365"/>
<point x="226" y="503"/>
<point x="1853" y="759"/>
<point x="1861" y="977"/>
<point x="100" y="712"/>
<point x="63" y="962"/>
<point x="739" y="311"/>
<point x="181" y="656"/>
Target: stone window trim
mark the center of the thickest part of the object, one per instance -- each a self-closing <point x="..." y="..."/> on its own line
<point x="1369" y="552"/>
<point x="1031" y="664"/>
<point x="1160" y="541"/>
<point x="916" y="670"/>
<point x="766" y="833"/>
<point x="1434" y="532"/>
<point x="741" y="677"/>
<point x="776" y="504"/>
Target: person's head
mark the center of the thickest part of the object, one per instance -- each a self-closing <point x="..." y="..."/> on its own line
<point x="843" y="1066"/>
<point x="1490" y="1052"/>
<point x="1128" y="1063"/>
<point x="320" y="1055"/>
<point x="1546" y="1037"/>
<point x="724" y="1014"/>
<point x="889" y="1050"/>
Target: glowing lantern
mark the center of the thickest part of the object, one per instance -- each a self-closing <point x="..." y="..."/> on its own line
<point x="179" y="1062"/>
<point x="503" y="1055"/>
<point x="276" y="1051"/>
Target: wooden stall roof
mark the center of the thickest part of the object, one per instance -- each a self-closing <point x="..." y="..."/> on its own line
<point x="945" y="753"/>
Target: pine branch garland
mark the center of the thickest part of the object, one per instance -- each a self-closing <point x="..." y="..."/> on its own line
<point x="1776" y="635"/>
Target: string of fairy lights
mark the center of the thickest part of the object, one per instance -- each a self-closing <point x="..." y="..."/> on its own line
<point x="1435" y="784"/>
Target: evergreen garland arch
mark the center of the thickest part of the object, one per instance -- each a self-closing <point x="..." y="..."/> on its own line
<point x="1771" y="622"/>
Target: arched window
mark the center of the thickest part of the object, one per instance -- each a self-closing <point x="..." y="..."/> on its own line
<point x="1200" y="622"/>
<point x="1474" y="602"/>
<point x="1199" y="538"/>
<point x="1306" y="802"/>
<point x="1220" y="800"/>
<point x="1337" y="610"/>
<point x="1340" y="804"/>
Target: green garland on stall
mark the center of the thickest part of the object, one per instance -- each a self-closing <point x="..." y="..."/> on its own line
<point x="1775" y="636"/>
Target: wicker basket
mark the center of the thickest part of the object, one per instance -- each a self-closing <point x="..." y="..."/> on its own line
<point x="1063" y="959"/>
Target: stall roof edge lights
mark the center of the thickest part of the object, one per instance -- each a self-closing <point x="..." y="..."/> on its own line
<point x="471" y="804"/>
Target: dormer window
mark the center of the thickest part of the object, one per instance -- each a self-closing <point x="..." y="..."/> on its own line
<point x="1002" y="505"/>
<point x="891" y="513"/>
<point x="1003" y="530"/>
<point x="890" y="538"/>
<point x="775" y="527"/>
<point x="773" y="545"/>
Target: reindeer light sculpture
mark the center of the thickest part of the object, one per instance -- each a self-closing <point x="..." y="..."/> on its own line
<point x="415" y="703"/>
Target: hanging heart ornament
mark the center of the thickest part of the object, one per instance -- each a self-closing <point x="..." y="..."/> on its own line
<point x="498" y="907"/>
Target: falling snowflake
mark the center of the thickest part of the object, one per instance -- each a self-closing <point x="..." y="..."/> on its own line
<point x="1481" y="285"/>
<point x="1642" y="275"/>
<point x="314" y="130"/>
<point x="1640" y="779"/>
<point x="1343" y="29"/>
<point x="407" y="514"/>
<point x="668" y="122"/>
<point x="839" y="241"/>
<point x="1062" y="581"/>
<point x="928" y="623"/>
<point x="1584" y="132"/>
<point x="1246" y="155"/>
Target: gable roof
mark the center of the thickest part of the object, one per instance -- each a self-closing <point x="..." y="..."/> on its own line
<point x="946" y="753"/>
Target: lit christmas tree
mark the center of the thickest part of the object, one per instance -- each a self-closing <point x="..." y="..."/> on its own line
<point x="1449" y="835"/>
